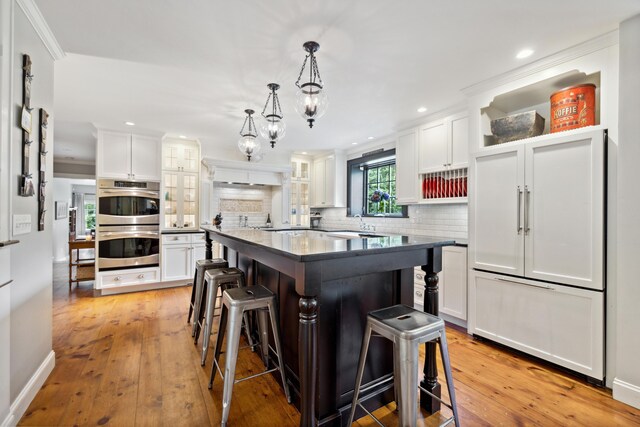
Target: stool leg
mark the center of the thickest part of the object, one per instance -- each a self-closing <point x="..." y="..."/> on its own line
<point x="233" y="342"/>
<point x="361" y="362"/>
<point x="222" y="327"/>
<point x="406" y="352"/>
<point x="193" y="298"/>
<point x="275" y="326"/>
<point x="199" y="310"/>
<point x="396" y="382"/>
<point x="263" y="326"/>
<point x="247" y="331"/>
<point x="444" y="352"/>
<point x="208" y="321"/>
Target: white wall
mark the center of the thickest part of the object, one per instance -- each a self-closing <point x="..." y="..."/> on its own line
<point x="626" y="385"/>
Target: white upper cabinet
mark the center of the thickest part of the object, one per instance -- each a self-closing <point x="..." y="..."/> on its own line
<point x="145" y="158"/>
<point x="180" y="204"/>
<point x="125" y="156"/>
<point x="300" y="169"/>
<point x="329" y="181"/>
<point x="407" y="181"/>
<point x="444" y="144"/>
<point x="181" y="156"/>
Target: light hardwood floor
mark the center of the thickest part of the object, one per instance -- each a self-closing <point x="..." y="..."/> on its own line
<point x="129" y="360"/>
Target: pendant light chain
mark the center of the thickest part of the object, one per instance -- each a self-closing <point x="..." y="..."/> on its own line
<point x="304" y="63"/>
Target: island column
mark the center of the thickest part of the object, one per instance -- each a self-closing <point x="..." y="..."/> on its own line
<point x="430" y="381"/>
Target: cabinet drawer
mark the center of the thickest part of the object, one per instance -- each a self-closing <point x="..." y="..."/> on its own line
<point x="175" y="239"/>
<point x="198" y="238"/>
<point x="110" y="280"/>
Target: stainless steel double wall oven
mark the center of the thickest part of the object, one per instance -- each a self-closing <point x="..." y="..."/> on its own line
<point x="128" y="224"/>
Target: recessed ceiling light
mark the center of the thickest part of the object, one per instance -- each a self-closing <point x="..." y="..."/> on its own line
<point x="422" y="109"/>
<point x="182" y="137"/>
<point x="369" y="137"/>
<point x="524" y="53"/>
<point x="229" y="182"/>
<point x="354" y="143"/>
<point x="129" y="123"/>
<point x="304" y="152"/>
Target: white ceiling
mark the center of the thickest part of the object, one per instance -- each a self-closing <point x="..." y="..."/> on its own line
<point x="191" y="68"/>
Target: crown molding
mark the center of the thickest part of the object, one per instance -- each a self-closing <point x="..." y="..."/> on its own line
<point x="210" y="163"/>
<point x="598" y="43"/>
<point x="41" y="27"/>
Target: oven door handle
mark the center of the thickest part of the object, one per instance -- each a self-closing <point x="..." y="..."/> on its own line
<point x="129" y="193"/>
<point x="112" y="235"/>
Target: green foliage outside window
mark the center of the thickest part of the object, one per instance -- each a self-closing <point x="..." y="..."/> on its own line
<point x="90" y="216"/>
<point x="381" y="177"/>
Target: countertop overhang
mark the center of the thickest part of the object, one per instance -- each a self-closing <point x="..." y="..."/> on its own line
<point x="307" y="247"/>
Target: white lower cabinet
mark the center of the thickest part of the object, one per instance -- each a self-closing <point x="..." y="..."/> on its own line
<point x="561" y="324"/>
<point x="179" y="255"/>
<point x="452" y="284"/>
<point x="130" y="277"/>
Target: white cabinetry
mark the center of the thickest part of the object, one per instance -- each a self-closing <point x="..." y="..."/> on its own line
<point x="452" y="284"/>
<point x="126" y="156"/>
<point x="538" y="209"/>
<point x="407" y="182"/>
<point x="561" y="324"/>
<point x="329" y="181"/>
<point x="179" y="255"/>
<point x="444" y="144"/>
<point x="180" y="185"/>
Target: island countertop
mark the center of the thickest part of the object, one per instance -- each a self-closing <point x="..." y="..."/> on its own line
<point x="320" y="244"/>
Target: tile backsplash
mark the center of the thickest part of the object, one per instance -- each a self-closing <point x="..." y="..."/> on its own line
<point x="233" y="200"/>
<point x="428" y="220"/>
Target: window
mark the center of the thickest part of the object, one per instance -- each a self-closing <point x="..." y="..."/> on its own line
<point x="371" y="189"/>
<point x="89" y="211"/>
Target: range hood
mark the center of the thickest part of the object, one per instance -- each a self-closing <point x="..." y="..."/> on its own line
<point x="246" y="173"/>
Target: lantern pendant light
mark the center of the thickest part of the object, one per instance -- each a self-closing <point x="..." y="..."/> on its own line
<point x="248" y="143"/>
<point x="272" y="128"/>
<point x="311" y="99"/>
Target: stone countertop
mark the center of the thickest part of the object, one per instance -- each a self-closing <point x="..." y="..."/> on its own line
<point x="316" y="244"/>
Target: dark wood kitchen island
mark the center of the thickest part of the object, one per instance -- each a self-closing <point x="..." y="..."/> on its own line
<point x="326" y="284"/>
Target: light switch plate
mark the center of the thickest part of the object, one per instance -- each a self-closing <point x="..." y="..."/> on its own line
<point x="21" y="224"/>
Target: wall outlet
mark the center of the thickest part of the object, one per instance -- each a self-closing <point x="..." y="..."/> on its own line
<point x="21" y="224"/>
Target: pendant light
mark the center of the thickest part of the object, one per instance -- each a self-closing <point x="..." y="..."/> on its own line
<point x="272" y="128"/>
<point x="248" y="143"/>
<point x="311" y="99"/>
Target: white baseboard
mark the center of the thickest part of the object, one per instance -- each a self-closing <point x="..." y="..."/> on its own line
<point x="22" y="402"/>
<point x="626" y="392"/>
<point x="9" y="421"/>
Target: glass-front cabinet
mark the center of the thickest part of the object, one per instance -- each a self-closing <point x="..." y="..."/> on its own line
<point x="300" y="191"/>
<point x="180" y="185"/>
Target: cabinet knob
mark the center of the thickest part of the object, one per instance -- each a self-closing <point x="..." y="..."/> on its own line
<point x="140" y="276"/>
<point x="419" y="276"/>
<point x="116" y="279"/>
<point x="419" y="293"/>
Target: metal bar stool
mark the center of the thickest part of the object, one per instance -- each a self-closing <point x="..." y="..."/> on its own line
<point x="407" y="328"/>
<point x="235" y="303"/>
<point x="221" y="278"/>
<point x="195" y="305"/>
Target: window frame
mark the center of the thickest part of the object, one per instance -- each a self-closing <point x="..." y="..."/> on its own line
<point x="381" y="158"/>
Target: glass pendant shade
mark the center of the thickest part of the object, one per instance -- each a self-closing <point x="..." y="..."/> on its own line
<point x="249" y="145"/>
<point x="272" y="128"/>
<point x="311" y="102"/>
<point x="311" y="98"/>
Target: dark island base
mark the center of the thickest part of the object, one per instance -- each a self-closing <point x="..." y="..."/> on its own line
<point x="342" y="310"/>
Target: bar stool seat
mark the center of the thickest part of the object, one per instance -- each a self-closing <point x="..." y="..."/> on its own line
<point x="235" y="303"/>
<point x="215" y="279"/>
<point x="195" y="305"/>
<point x="407" y="329"/>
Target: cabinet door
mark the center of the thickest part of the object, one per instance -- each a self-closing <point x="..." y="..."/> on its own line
<point x="145" y="158"/>
<point x="189" y="200"/>
<point x="319" y="183"/>
<point x="171" y="153"/>
<point x="114" y="155"/>
<point x="176" y="262"/>
<point x="565" y="210"/>
<point x="197" y="253"/>
<point x="557" y="323"/>
<point x="407" y="184"/>
<point x="190" y="158"/>
<point x="495" y="211"/>
<point x="433" y="147"/>
<point x="171" y="196"/>
<point x="459" y="142"/>
<point x="453" y="289"/>
<point x="330" y="181"/>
